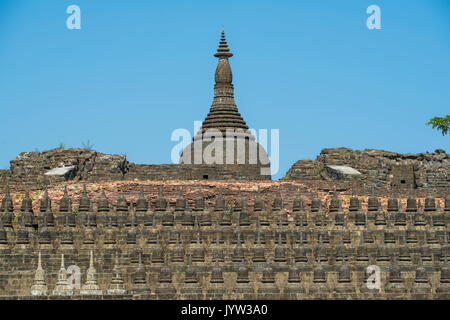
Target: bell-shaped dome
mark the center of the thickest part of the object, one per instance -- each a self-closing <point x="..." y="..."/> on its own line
<point x="224" y="137"/>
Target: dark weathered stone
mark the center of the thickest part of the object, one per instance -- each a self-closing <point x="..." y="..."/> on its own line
<point x="225" y="124"/>
<point x="220" y="255"/>
<point x="383" y="168"/>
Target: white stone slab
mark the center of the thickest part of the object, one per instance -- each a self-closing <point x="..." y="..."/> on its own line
<point x="344" y="170"/>
<point x="60" y="171"/>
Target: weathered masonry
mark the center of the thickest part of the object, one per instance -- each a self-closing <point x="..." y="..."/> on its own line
<point x="225" y="132"/>
<point x="234" y="152"/>
<point x="383" y="168"/>
<point x="156" y="250"/>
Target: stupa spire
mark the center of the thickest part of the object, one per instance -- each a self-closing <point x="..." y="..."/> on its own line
<point x="91" y="286"/>
<point x="62" y="287"/>
<point x="39" y="287"/>
<point x="225" y="125"/>
<point x="224" y="113"/>
<point x="223" y="51"/>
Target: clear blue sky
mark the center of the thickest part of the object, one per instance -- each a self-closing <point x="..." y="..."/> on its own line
<point x="137" y="70"/>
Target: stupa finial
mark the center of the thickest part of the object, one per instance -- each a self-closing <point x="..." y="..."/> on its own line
<point x="223" y="52"/>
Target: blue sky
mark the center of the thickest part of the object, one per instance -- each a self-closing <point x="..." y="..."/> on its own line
<point x="137" y="70"/>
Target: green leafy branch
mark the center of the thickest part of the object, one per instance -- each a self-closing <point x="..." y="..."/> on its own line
<point x="441" y="123"/>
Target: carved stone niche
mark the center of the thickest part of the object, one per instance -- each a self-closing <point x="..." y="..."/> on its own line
<point x="403" y="176"/>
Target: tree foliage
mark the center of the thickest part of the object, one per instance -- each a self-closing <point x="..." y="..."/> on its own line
<point x="441" y="123"/>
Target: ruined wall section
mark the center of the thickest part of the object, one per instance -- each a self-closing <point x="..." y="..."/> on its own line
<point x="30" y="168"/>
<point x="383" y="168"/>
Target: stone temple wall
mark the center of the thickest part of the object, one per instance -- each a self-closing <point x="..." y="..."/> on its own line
<point x="284" y="249"/>
<point x="383" y="168"/>
<point x="193" y="172"/>
<point x="30" y="168"/>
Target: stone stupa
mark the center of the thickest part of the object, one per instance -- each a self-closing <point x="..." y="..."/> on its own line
<point x="224" y="142"/>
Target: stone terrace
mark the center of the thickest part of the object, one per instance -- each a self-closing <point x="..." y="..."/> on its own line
<point x="204" y="240"/>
